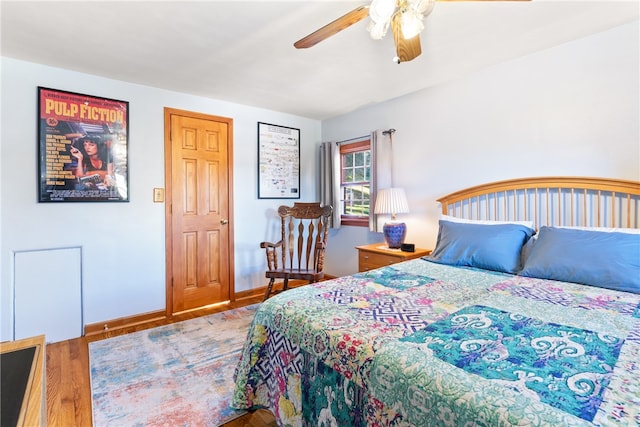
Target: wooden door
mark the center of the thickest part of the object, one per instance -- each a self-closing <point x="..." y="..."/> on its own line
<point x="198" y="156"/>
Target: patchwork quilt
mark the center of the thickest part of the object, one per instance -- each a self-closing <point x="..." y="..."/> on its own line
<point x="424" y="344"/>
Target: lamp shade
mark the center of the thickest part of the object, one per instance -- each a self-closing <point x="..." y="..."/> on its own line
<point x="391" y="201"/>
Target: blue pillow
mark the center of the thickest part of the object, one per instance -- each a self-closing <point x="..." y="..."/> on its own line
<point x="595" y="258"/>
<point x="490" y="247"/>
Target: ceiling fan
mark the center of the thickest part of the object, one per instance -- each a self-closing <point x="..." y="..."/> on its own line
<point x="403" y="16"/>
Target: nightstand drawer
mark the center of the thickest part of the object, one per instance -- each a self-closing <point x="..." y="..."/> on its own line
<point x="374" y="260"/>
<point x="376" y="255"/>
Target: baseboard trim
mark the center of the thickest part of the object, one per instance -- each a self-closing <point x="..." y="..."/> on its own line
<point x="251" y="293"/>
<point x="123" y="322"/>
<point x="154" y="316"/>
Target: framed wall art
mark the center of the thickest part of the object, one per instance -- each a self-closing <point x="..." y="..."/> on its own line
<point x="278" y="162"/>
<point x="83" y="146"/>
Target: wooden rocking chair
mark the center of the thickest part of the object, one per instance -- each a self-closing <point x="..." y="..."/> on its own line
<point x="300" y="252"/>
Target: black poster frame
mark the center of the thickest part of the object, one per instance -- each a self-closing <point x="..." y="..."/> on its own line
<point x="278" y="162"/>
<point x="83" y="146"/>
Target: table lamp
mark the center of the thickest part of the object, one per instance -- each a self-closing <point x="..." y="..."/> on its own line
<point x="392" y="201"/>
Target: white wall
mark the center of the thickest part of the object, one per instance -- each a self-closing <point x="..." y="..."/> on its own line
<point x="123" y="270"/>
<point x="570" y="110"/>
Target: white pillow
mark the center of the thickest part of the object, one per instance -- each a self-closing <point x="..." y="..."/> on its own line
<point x="603" y="229"/>
<point x="485" y="222"/>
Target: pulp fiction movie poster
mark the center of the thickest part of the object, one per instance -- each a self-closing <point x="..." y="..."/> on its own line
<point x="83" y="142"/>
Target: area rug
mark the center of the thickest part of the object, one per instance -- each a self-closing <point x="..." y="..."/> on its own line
<point x="175" y="375"/>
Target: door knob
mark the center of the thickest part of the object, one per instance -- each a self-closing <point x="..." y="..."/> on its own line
<point x="224" y="221"/>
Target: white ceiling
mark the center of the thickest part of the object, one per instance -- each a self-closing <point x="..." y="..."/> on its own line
<point x="243" y="52"/>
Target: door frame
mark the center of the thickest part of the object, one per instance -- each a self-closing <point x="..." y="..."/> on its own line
<point x="168" y="112"/>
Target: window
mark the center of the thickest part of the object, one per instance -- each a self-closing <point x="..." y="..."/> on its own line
<point x="355" y="174"/>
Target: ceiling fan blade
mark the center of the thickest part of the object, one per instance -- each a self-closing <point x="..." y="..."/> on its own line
<point x="345" y="21"/>
<point x="406" y="49"/>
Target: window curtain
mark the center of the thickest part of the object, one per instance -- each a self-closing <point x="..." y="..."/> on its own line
<point x="330" y="180"/>
<point x="330" y="177"/>
<point x="380" y="175"/>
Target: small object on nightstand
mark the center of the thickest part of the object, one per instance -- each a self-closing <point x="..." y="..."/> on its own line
<point x="408" y="247"/>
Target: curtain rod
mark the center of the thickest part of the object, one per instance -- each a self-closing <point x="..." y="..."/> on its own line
<point x="352" y="139"/>
<point x="388" y="132"/>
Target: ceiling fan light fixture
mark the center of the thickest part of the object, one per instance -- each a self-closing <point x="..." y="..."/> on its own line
<point x="377" y="30"/>
<point x="410" y="12"/>
<point x="411" y="22"/>
<point x="381" y="11"/>
<point x="423" y="7"/>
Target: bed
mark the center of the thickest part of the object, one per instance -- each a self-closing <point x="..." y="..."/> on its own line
<point x="526" y="313"/>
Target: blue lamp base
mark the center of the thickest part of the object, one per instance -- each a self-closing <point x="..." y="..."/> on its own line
<point x="394" y="234"/>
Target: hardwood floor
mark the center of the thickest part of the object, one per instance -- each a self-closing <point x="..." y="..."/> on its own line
<point x="68" y="386"/>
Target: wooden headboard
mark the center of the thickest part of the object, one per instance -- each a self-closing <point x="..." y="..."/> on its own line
<point x="552" y="201"/>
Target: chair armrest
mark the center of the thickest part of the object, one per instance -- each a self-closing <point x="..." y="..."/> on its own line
<point x="320" y="249"/>
<point x="271" y="253"/>
<point x="270" y="245"/>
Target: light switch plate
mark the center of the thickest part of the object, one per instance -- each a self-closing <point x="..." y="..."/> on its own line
<point x="158" y="195"/>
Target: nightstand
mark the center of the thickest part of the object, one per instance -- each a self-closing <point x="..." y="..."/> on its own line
<point x="377" y="255"/>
